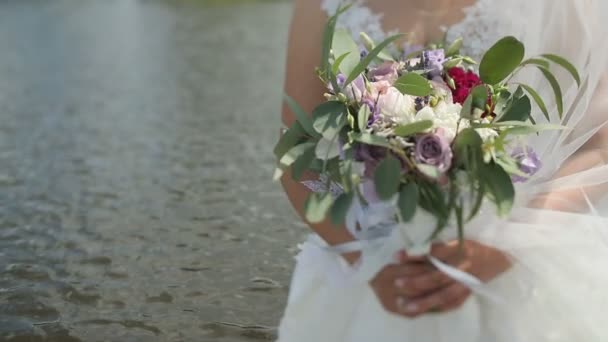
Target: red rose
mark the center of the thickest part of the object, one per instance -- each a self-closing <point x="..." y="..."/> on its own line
<point x="465" y="81"/>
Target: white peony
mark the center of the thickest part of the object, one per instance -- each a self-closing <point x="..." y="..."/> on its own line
<point x="399" y="107"/>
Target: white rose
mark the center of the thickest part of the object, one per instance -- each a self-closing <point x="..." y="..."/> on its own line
<point x="444" y="115"/>
<point x="400" y="107"/>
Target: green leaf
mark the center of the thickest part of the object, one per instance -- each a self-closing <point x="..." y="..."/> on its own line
<point x="302" y="164"/>
<point x="564" y="63"/>
<point x="317" y="207"/>
<point x="557" y="90"/>
<point x="413" y="128"/>
<point x="371" y="45"/>
<point x="536" y="61"/>
<point x="451" y="63"/>
<point x="290" y="157"/>
<point x="328" y="36"/>
<point x="387" y="177"/>
<point x="413" y="84"/>
<point x="408" y="201"/>
<point x="303" y="118"/>
<point x="479" y="193"/>
<point x="363" y="117"/>
<point x="503" y="102"/>
<point x="365" y="62"/>
<point x="520" y="110"/>
<point x="475" y="104"/>
<point x="454" y="48"/>
<point x="289" y="139"/>
<point x="340" y="208"/>
<point x="538" y="99"/>
<point x="329" y="118"/>
<point x="500" y="186"/>
<point x="501" y="60"/>
<point x="343" y="43"/>
<point x="468" y="149"/>
<point x="327" y="149"/>
<point x="369" y="139"/>
<point x="336" y="67"/>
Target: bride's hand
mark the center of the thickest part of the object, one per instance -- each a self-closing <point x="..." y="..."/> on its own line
<point x="425" y="289"/>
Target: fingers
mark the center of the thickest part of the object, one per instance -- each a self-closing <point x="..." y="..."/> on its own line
<point x="421" y="284"/>
<point x="448" y="298"/>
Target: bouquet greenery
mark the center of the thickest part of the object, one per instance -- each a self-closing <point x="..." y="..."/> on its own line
<point x="427" y="130"/>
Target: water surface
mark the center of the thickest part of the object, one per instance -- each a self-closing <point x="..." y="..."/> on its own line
<point x="135" y="195"/>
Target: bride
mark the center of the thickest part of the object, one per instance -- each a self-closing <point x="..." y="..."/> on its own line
<point x="543" y="271"/>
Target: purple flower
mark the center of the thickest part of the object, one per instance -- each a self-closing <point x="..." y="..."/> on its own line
<point x="528" y="163"/>
<point x="433" y="61"/>
<point x="374" y="109"/>
<point x="434" y="149"/>
<point x="388" y="71"/>
<point x="371" y="156"/>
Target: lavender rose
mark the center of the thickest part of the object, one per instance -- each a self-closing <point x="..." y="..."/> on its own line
<point x="528" y="163"/>
<point x="388" y="71"/>
<point x="434" y="149"/>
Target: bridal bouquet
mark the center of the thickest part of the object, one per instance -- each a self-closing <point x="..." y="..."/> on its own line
<point x="423" y="131"/>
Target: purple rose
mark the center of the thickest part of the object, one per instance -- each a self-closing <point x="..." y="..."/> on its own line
<point x="371" y="156"/>
<point x="433" y="61"/>
<point x="434" y="149"/>
<point x="388" y="71"/>
<point x="528" y="163"/>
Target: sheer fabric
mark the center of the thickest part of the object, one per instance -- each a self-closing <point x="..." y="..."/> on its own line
<point x="556" y="235"/>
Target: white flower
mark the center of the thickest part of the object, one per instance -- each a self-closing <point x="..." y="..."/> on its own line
<point x="444" y="115"/>
<point x="399" y="107"/>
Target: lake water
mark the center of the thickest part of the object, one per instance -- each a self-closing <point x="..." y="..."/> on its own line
<point x="136" y="201"/>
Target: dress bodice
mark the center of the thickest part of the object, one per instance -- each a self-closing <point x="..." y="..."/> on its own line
<point x="480" y="27"/>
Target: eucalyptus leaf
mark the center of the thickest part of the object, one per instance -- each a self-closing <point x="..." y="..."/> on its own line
<point x="327" y="149"/>
<point x="475" y="105"/>
<point x="343" y="43"/>
<point x="328" y="36"/>
<point x="538" y="99"/>
<point x="564" y="63"/>
<point x="363" y="117"/>
<point x="290" y="157"/>
<point x="387" y="177"/>
<point x="557" y="90"/>
<point x="370" y="139"/>
<point x="408" y="201"/>
<point x="454" y="48"/>
<point x="501" y="60"/>
<point x="336" y="66"/>
<point x="329" y="118"/>
<point x="536" y="61"/>
<point x="500" y="186"/>
<point x="413" y="128"/>
<point x="303" y="118"/>
<point x="317" y="207"/>
<point x="413" y="84"/>
<point x="365" y="62"/>
<point x="303" y="163"/>
<point x="520" y="110"/>
<point x="289" y="139"/>
<point x="341" y="207"/>
<point x="370" y="45"/>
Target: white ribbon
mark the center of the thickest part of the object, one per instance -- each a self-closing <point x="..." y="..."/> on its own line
<point x="379" y="238"/>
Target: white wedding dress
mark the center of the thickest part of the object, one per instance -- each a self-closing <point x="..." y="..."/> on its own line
<point x="557" y="289"/>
